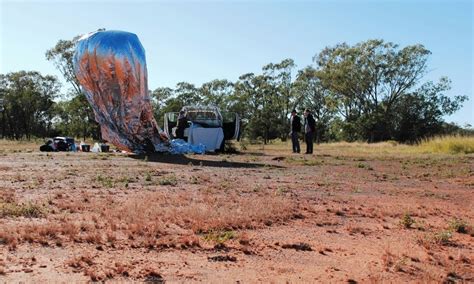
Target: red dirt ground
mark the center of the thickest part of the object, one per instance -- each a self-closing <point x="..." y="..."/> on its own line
<point x="259" y="216"/>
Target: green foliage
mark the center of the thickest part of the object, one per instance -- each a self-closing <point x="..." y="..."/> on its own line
<point x="161" y="105"/>
<point x="443" y="237"/>
<point x="219" y="236"/>
<point x="62" y="55"/>
<point x="28" y="106"/>
<point x="230" y="148"/>
<point x="244" y="144"/>
<point x="373" y="82"/>
<point x="458" y="226"/>
<point x="364" y="166"/>
<point x="73" y="117"/>
<point x="148" y="177"/>
<point x="168" y="180"/>
<point x="105" y="181"/>
<point x="362" y="92"/>
<point x="262" y="112"/>
<point x="217" y="92"/>
<point x="312" y="95"/>
<point x="420" y="114"/>
<point x="28" y="210"/>
<point x="76" y="118"/>
<point x="407" y="221"/>
<point x="126" y="179"/>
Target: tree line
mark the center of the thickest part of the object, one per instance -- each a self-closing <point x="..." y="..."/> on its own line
<point x="371" y="91"/>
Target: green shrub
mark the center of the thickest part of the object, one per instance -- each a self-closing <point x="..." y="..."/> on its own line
<point x="230" y="148"/>
<point x="458" y="226"/>
<point x="105" y="181"/>
<point x="148" y="176"/>
<point x="443" y="237"/>
<point x="219" y="236"/>
<point x="168" y="180"/>
<point x="364" y="166"/>
<point x="407" y="221"/>
<point x="244" y="144"/>
<point x="28" y="210"/>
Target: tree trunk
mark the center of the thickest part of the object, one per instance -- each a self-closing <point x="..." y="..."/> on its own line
<point x="3" y="124"/>
<point x="265" y="137"/>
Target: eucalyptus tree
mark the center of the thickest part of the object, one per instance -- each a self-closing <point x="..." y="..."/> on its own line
<point x="28" y="103"/>
<point x="310" y="94"/>
<point x="368" y="80"/>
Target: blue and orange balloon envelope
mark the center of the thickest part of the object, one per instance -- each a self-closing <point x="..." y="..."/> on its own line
<point x="111" y="69"/>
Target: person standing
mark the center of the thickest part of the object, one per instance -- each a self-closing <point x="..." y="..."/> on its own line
<point x="181" y="125"/>
<point x="309" y="129"/>
<point x="295" y="130"/>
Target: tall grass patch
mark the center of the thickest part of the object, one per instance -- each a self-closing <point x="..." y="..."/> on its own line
<point x="449" y="145"/>
<point x="28" y="210"/>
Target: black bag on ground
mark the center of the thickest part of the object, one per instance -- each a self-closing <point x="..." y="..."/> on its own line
<point x="46" y="148"/>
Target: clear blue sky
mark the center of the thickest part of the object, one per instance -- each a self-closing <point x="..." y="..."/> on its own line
<point x="201" y="41"/>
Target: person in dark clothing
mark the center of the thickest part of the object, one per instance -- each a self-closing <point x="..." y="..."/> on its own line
<point x="309" y="129"/>
<point x="48" y="146"/>
<point x="62" y="146"/>
<point x="295" y="130"/>
<point x="182" y="124"/>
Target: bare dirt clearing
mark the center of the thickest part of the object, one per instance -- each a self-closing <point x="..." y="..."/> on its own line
<point x="343" y="214"/>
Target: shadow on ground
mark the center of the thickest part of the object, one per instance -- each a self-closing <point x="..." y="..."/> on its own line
<point x="183" y="160"/>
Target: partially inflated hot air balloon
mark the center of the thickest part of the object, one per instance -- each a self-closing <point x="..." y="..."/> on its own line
<point x="111" y="68"/>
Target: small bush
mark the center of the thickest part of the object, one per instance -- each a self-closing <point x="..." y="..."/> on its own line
<point x="195" y="180"/>
<point x="148" y="177"/>
<point x="407" y="221"/>
<point x="168" y="180"/>
<point x="219" y="236"/>
<point x="364" y="166"/>
<point x="230" y="148"/>
<point x="28" y="210"/>
<point x="458" y="226"/>
<point x="105" y="181"/>
<point x="244" y="144"/>
<point x="443" y="237"/>
<point x="126" y="179"/>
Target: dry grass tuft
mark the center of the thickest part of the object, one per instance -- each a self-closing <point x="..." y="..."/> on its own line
<point x="219" y="236"/>
<point x="394" y="263"/>
<point x="29" y="210"/>
<point x="148" y="214"/>
<point x="81" y="262"/>
<point x="18" y="146"/>
<point x="146" y="220"/>
<point x="459" y="226"/>
<point x="443" y="237"/>
<point x="168" y="180"/>
<point x="407" y="221"/>
<point x="9" y="238"/>
<point x="449" y="145"/>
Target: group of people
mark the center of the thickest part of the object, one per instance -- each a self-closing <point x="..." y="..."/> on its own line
<point x="309" y="128"/>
